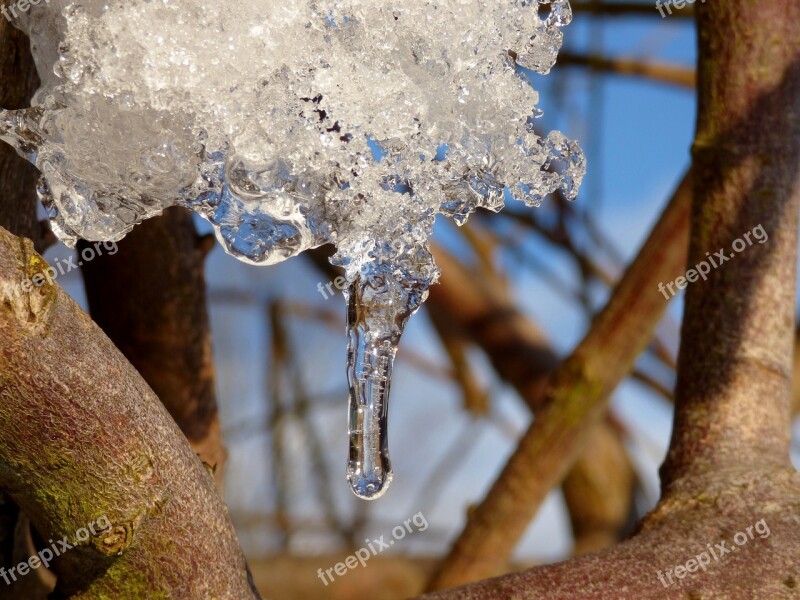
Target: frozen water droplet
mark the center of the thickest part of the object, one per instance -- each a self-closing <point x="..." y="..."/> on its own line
<point x="20" y="129"/>
<point x="560" y="12"/>
<point x="378" y="309"/>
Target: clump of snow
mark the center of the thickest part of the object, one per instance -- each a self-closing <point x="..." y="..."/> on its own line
<point x="289" y="124"/>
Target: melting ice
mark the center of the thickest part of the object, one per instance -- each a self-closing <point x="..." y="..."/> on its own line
<point x="264" y="116"/>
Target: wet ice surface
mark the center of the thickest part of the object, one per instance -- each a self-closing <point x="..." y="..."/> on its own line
<point x="296" y="123"/>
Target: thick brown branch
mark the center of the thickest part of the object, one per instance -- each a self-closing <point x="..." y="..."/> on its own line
<point x="734" y="378"/>
<point x="643" y="568"/>
<point x="150" y="298"/>
<point x="82" y="436"/>
<point x="18" y="215"/>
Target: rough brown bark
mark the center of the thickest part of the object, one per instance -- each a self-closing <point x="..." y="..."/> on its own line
<point x="18" y="81"/>
<point x="575" y="402"/>
<point x="728" y="465"/>
<point x="82" y="436"/>
<point x="733" y="390"/>
<point x="150" y="298"/>
<point x="176" y="558"/>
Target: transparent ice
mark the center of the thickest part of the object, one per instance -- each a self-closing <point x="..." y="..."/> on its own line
<point x="294" y="123"/>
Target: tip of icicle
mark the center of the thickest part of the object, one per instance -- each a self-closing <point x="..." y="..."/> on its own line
<point x="370" y="488"/>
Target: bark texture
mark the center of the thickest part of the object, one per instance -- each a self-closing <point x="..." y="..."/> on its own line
<point x="18" y="81"/>
<point x="735" y="366"/>
<point x="82" y="436"/>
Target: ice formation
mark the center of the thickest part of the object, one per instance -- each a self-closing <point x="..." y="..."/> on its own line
<point x="288" y="124"/>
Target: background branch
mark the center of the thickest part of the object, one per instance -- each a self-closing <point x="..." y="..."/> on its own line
<point x="149" y="297"/>
<point x="575" y="402"/>
<point x="662" y="73"/>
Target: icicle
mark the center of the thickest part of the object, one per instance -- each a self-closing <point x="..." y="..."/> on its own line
<point x="377" y="312"/>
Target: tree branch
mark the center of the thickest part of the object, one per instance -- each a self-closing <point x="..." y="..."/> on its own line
<point x="17" y="214"/>
<point x="82" y="436"/>
<point x="516" y="347"/>
<point x="733" y="391"/>
<point x="575" y="402"/>
<point x="150" y="298"/>
<point x="715" y="489"/>
<point x="671" y="74"/>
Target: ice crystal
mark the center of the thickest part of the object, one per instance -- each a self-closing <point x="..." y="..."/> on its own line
<point x="290" y="124"/>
